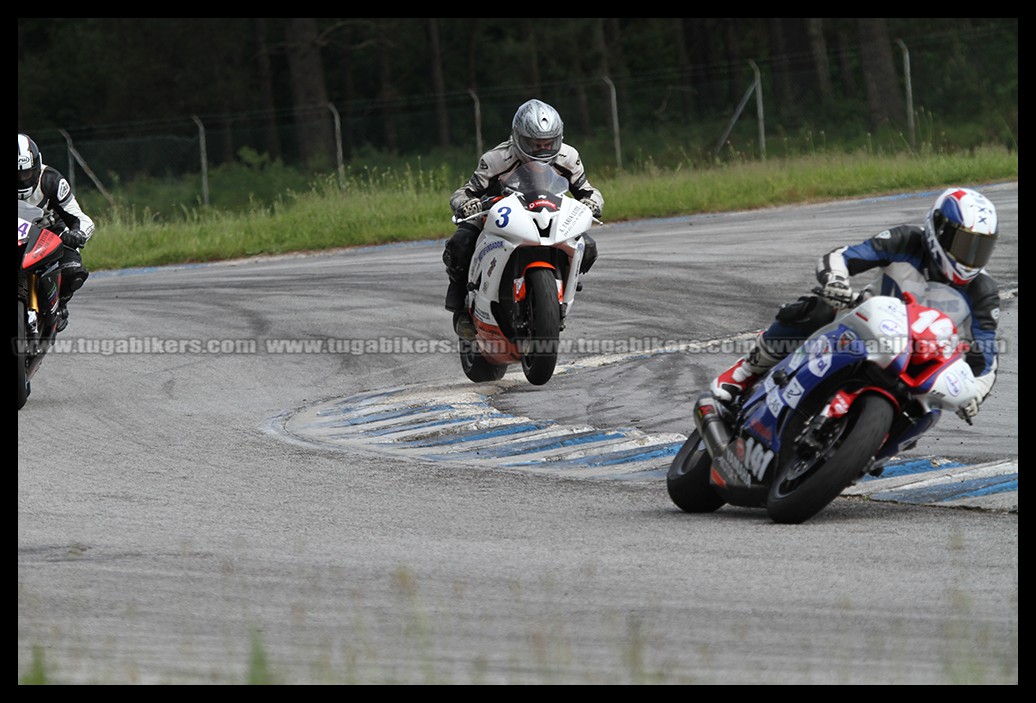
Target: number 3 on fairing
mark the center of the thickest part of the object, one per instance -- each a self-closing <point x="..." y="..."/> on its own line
<point x="504" y="212"/>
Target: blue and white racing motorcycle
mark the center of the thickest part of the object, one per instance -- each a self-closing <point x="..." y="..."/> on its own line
<point x="852" y="396"/>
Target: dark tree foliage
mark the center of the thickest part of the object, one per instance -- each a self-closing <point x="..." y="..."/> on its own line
<point x="410" y="85"/>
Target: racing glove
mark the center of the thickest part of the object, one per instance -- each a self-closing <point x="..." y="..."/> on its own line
<point x="969" y="411"/>
<point x="595" y="209"/>
<point x="837" y="291"/>
<point x="472" y="207"/>
<point x="74" y="238"/>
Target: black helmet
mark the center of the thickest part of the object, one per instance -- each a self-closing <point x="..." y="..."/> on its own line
<point x="29" y="166"/>
<point x="537" y="131"/>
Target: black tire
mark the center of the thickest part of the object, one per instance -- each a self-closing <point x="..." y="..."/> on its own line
<point x="807" y="483"/>
<point x="688" y="478"/>
<point x="539" y="361"/>
<point x="475" y="366"/>
<point x="19" y="358"/>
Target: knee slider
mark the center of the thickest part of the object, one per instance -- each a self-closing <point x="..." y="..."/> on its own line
<point x="763" y="356"/>
<point x="589" y="254"/>
<point x="72" y="278"/>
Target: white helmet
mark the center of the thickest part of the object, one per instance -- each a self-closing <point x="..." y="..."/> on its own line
<point x="960" y="233"/>
<point x="30" y="166"/>
<point x="537" y="131"/>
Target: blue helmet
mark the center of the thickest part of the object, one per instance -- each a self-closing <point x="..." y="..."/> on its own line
<point x="961" y="231"/>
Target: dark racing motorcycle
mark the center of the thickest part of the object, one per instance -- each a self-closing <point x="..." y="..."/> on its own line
<point x="39" y="281"/>
<point x="852" y="396"/>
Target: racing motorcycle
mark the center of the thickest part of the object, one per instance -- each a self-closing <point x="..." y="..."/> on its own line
<point x="524" y="274"/>
<point x="852" y="396"/>
<point x="39" y="281"/>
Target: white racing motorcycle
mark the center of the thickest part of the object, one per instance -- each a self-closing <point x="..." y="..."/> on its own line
<point x="524" y="275"/>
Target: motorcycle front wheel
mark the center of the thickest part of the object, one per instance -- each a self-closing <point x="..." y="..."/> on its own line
<point x="688" y="478"/>
<point x="810" y="479"/>
<point x="541" y="354"/>
<point x="20" y="361"/>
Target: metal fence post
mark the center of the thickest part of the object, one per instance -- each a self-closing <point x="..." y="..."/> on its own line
<point x="615" y="122"/>
<point x="757" y="88"/>
<point x="478" y="123"/>
<point x="733" y="120"/>
<point x="70" y="176"/>
<point x="909" y="92"/>
<point x="73" y="154"/>
<point x="204" y="161"/>
<point x="759" y="111"/>
<point x="338" y="146"/>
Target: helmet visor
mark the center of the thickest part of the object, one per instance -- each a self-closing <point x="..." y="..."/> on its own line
<point x="540" y="148"/>
<point x="967" y="248"/>
<point x="27" y="178"/>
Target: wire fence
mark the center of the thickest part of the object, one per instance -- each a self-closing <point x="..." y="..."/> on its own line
<point x="663" y="106"/>
<point x="196" y="144"/>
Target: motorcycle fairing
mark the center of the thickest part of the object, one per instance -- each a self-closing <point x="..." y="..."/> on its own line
<point x="781" y="391"/>
<point x="40" y="244"/>
<point x="891" y="326"/>
<point x="40" y="273"/>
<point x="744" y="462"/>
<point x="897" y="443"/>
<point x="554" y="230"/>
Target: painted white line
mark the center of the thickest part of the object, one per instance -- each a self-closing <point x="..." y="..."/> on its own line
<point x="458" y="423"/>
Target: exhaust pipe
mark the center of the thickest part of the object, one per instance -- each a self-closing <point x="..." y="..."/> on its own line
<point x="713" y="428"/>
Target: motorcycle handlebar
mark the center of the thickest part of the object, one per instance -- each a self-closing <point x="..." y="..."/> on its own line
<point x="492" y="199"/>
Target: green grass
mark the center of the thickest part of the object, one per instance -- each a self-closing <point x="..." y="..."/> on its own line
<point x="401" y="203"/>
<point x="970" y="655"/>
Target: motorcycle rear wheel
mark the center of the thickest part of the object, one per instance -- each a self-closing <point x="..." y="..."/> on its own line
<point x="688" y="478"/>
<point x="807" y="483"/>
<point x="475" y="366"/>
<point x="539" y="361"/>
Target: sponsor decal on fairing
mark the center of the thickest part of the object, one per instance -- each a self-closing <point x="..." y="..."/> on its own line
<point x="750" y="457"/>
<point x="891" y="328"/>
<point x="820" y="357"/>
<point x="488" y="248"/>
<point x="793" y="393"/>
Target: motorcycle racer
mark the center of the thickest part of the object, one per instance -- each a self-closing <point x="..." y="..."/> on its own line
<point x="44" y="186"/>
<point x="537" y="134"/>
<point x="952" y="247"/>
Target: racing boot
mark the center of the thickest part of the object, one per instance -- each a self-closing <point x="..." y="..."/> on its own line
<point x="62" y="316"/>
<point x="463" y="325"/>
<point x="73" y="276"/>
<point x="744" y="373"/>
<point x="456" y="295"/>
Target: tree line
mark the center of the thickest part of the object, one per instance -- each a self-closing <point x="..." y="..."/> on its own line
<point x="409" y="84"/>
